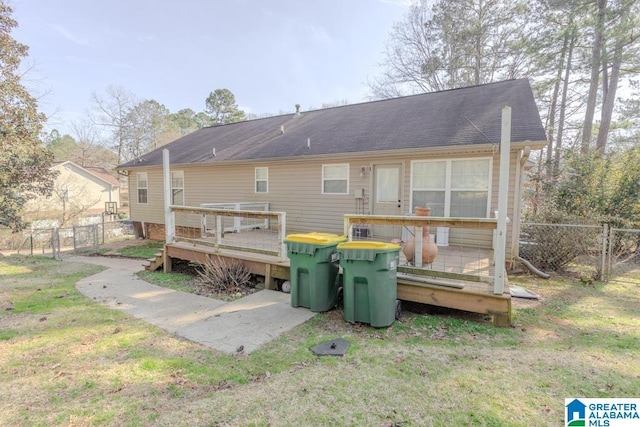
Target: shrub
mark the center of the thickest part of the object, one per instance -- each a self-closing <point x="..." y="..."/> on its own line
<point x="223" y="276"/>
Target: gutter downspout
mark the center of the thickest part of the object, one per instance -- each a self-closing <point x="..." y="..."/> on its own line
<point x="517" y="204"/>
<point x="533" y="269"/>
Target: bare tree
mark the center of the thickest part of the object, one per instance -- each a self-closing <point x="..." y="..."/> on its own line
<point x="112" y="114"/>
<point x="449" y="44"/>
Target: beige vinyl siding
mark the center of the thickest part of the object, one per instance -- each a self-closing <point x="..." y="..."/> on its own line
<point x="153" y="210"/>
<point x="295" y="187"/>
<point x="513" y="170"/>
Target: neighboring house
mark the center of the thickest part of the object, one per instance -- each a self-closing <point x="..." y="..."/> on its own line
<point x="386" y="157"/>
<point x="77" y="192"/>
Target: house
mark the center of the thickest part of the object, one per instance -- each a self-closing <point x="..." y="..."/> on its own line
<point x="382" y="158"/>
<point x="78" y="192"/>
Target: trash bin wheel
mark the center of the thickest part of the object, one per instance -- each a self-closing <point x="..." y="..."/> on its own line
<point x="339" y="297"/>
<point x="398" y="309"/>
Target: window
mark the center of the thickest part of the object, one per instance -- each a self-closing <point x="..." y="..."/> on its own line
<point x="335" y="179"/>
<point x="143" y="185"/>
<point x="429" y="186"/>
<point x="262" y="180"/>
<point x="452" y="188"/>
<point x="177" y="188"/>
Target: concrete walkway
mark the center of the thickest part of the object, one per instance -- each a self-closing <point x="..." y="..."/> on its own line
<point x="246" y="323"/>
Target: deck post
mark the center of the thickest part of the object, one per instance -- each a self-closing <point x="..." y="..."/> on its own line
<point x="219" y="230"/>
<point x="169" y="216"/>
<point x="282" y="234"/>
<point x="347" y="228"/>
<point x="237" y="221"/>
<point x="503" y="193"/>
<point x="417" y="255"/>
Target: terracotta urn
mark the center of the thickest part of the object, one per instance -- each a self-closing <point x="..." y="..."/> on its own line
<point x="429" y="248"/>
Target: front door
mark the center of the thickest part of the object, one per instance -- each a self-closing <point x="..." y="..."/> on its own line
<point x="387" y="198"/>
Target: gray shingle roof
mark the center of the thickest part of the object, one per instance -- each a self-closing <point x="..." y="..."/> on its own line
<point x="451" y="118"/>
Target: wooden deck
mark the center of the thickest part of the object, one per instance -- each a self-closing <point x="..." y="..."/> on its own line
<point x="270" y="266"/>
<point x="439" y="284"/>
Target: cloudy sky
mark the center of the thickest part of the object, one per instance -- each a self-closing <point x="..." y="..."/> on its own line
<point x="271" y="54"/>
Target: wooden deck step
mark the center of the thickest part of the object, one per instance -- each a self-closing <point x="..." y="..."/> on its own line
<point x="153" y="264"/>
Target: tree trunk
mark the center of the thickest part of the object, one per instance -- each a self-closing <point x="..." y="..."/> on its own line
<point x="554" y="104"/>
<point x="595" y="74"/>
<point x="563" y="106"/>
<point x="609" y="100"/>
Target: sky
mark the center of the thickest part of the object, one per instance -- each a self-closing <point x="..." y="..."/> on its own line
<point x="272" y="54"/>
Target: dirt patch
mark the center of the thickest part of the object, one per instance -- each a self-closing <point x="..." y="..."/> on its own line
<point x="525" y="302"/>
<point x="202" y="290"/>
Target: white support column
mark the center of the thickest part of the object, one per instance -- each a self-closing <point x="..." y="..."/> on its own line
<point x="417" y="255"/>
<point x="347" y="228"/>
<point x="266" y="221"/>
<point x="282" y="234"/>
<point x="169" y="215"/>
<point x="237" y="221"/>
<point x="219" y="229"/>
<point x="503" y="194"/>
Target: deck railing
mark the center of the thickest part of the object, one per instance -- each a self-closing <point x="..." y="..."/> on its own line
<point x="239" y="222"/>
<point x="467" y="254"/>
<point x="251" y="230"/>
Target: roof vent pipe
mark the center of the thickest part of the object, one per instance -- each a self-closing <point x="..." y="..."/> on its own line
<point x="214" y="151"/>
<point x="308" y="143"/>
<point x="297" y="110"/>
<point x="282" y="129"/>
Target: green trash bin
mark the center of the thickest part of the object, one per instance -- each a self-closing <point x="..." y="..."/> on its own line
<point x="370" y="286"/>
<point x="314" y="269"/>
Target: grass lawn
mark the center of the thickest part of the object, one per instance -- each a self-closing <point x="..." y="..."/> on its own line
<point x="67" y="360"/>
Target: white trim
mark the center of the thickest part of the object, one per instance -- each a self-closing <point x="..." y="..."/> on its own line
<point x="345" y="165"/>
<point x="138" y="188"/>
<point x="256" y="180"/>
<point x="447" y="189"/>
<point x="66" y="163"/>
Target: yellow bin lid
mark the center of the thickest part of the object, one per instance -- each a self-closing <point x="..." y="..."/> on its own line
<point x="365" y="244"/>
<point x="316" y="238"/>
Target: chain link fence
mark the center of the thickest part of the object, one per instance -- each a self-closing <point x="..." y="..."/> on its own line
<point x="591" y="252"/>
<point x="52" y="241"/>
<point x="624" y="255"/>
<point x="565" y="249"/>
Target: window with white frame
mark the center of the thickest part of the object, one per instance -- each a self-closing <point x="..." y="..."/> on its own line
<point x="335" y="179"/>
<point x="262" y="180"/>
<point x="452" y="188"/>
<point x="177" y="187"/>
<point x="143" y="187"/>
